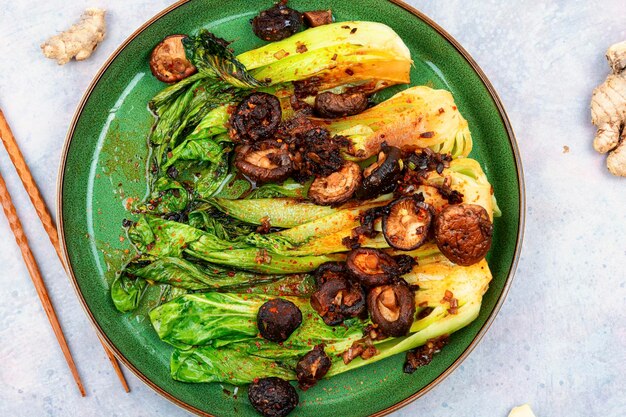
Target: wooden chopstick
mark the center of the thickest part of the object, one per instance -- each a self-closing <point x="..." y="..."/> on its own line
<point x="40" y="287"/>
<point x="44" y="215"/>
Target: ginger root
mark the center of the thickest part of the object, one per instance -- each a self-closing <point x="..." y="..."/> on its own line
<point x="608" y="112"/>
<point x="79" y="41"/>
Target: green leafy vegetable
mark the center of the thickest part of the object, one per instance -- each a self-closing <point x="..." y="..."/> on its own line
<point x="263" y="262"/>
<point x="225" y="318"/>
<point x="280" y="212"/>
<point x="208" y="364"/>
<point x="168" y="196"/>
<point x="289" y="188"/>
<point x="182" y="273"/>
<point x="211" y="55"/>
<point x="126" y="293"/>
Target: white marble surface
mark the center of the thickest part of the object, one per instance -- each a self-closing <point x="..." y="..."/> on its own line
<point x="559" y="342"/>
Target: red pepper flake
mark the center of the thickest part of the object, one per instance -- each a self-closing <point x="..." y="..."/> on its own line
<point x="349" y="71"/>
<point x="281" y="54"/>
<point x="454" y="303"/>
<point x="334" y="58"/>
<point x="262" y="257"/>
<point x="353" y="31"/>
<point x="265" y="226"/>
<point x="301" y="47"/>
<point x="453" y="107"/>
<point x="454" y="306"/>
<point x="345" y="27"/>
<point x="427" y="135"/>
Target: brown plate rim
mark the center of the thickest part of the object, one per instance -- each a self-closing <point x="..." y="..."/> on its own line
<point x="483" y="329"/>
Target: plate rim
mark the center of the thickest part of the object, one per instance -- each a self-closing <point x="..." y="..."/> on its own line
<point x="484" y="328"/>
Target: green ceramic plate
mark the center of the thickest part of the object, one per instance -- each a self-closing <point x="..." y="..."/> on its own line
<point x="104" y="166"/>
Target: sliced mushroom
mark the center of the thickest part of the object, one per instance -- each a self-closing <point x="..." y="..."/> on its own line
<point x="371" y="266"/>
<point x="272" y="397"/>
<point x="337" y="187"/>
<point x="257" y="117"/>
<point x="312" y="367"/>
<point x="382" y="176"/>
<point x="406" y="223"/>
<point x="168" y="61"/>
<point x="316" y="18"/>
<point x="330" y="270"/>
<point x="338" y="299"/>
<point x="276" y="23"/>
<point x="392" y="308"/>
<point x="463" y="233"/>
<point x="277" y="319"/>
<point x="264" y="162"/>
<point x="331" y="105"/>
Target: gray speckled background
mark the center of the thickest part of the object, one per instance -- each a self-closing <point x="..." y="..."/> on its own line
<point x="558" y="343"/>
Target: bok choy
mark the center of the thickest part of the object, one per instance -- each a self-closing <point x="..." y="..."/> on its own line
<point x="219" y="241"/>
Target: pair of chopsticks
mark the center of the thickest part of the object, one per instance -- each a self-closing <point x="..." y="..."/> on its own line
<point x="16" y="226"/>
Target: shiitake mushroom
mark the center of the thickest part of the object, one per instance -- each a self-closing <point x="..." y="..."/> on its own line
<point x="257" y="117"/>
<point x="277" y="23"/>
<point x="392" y="308"/>
<point x="406" y="223"/>
<point x="312" y="367"/>
<point x="265" y="161"/>
<point x="168" y="61"/>
<point x="336" y="187"/>
<point x="272" y="397"/>
<point x="338" y="299"/>
<point x="371" y="267"/>
<point x="463" y="233"/>
<point x="277" y="319"/>
<point x="329" y="270"/>
<point x="316" y="18"/>
<point x="331" y="106"/>
<point x="382" y="176"/>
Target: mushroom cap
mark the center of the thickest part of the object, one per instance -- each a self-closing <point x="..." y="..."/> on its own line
<point x="382" y="176"/>
<point x="336" y="187"/>
<point x="168" y="61"/>
<point x="277" y="23"/>
<point x="312" y="367"/>
<point x="277" y="319"/>
<point x="257" y="117"/>
<point x="272" y="397"/>
<point x="331" y="106"/>
<point x="406" y="223"/>
<point x="371" y="267"/>
<point x="392" y="308"/>
<point x="463" y="233"/>
<point x="266" y="161"/>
